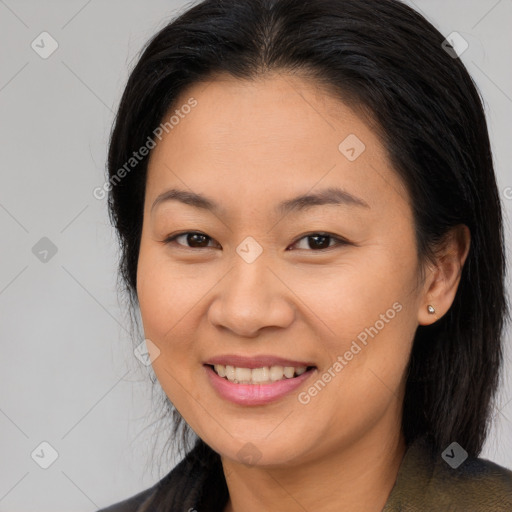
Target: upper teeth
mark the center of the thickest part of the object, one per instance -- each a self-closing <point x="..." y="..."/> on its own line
<point x="262" y="375"/>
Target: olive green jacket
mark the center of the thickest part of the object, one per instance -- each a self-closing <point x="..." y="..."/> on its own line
<point x="422" y="485"/>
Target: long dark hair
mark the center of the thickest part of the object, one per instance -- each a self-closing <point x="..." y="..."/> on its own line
<point x="387" y="61"/>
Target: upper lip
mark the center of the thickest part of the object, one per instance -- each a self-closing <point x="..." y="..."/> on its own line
<point x="255" y="361"/>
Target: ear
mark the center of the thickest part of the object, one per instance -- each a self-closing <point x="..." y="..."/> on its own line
<point x="443" y="276"/>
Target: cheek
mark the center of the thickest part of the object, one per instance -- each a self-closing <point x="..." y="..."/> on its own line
<point x="165" y="293"/>
<point x="167" y="300"/>
<point x="368" y="318"/>
<point x="368" y="361"/>
<point x="164" y="299"/>
<point x="367" y="288"/>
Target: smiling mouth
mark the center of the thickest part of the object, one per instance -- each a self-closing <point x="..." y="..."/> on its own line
<point x="262" y="375"/>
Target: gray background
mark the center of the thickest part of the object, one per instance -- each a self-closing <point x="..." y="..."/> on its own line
<point x="68" y="374"/>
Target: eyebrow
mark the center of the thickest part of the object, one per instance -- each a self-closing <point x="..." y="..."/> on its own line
<point x="331" y="195"/>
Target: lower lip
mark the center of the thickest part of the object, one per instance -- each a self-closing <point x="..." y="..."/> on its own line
<point x="255" y="394"/>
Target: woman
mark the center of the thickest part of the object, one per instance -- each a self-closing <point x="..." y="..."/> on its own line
<point x="310" y="224"/>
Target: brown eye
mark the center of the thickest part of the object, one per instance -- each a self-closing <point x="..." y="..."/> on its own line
<point x="320" y="241"/>
<point x="194" y="240"/>
<point x="316" y="242"/>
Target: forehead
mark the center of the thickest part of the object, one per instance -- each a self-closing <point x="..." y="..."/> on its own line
<point x="273" y="109"/>
<point x="262" y="137"/>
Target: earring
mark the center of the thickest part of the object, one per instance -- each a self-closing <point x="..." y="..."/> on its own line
<point x="431" y="309"/>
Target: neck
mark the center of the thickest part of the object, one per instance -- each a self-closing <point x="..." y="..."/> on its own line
<point x="357" y="478"/>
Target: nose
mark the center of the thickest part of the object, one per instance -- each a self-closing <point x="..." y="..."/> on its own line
<point x="250" y="298"/>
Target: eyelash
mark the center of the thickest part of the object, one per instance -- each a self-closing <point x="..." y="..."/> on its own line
<point x="339" y="241"/>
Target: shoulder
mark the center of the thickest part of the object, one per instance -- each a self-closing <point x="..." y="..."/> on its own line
<point x="477" y="484"/>
<point x="183" y="484"/>
<point x="429" y="483"/>
<point x="133" y="504"/>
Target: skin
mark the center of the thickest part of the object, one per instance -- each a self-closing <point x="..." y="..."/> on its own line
<point x="250" y="145"/>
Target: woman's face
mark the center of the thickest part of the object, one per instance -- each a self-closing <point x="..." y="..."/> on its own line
<point x="252" y="284"/>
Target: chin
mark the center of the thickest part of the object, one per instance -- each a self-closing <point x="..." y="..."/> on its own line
<point x="260" y="449"/>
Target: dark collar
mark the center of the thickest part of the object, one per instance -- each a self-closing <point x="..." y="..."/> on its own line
<point x="427" y="483"/>
<point x="424" y="483"/>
